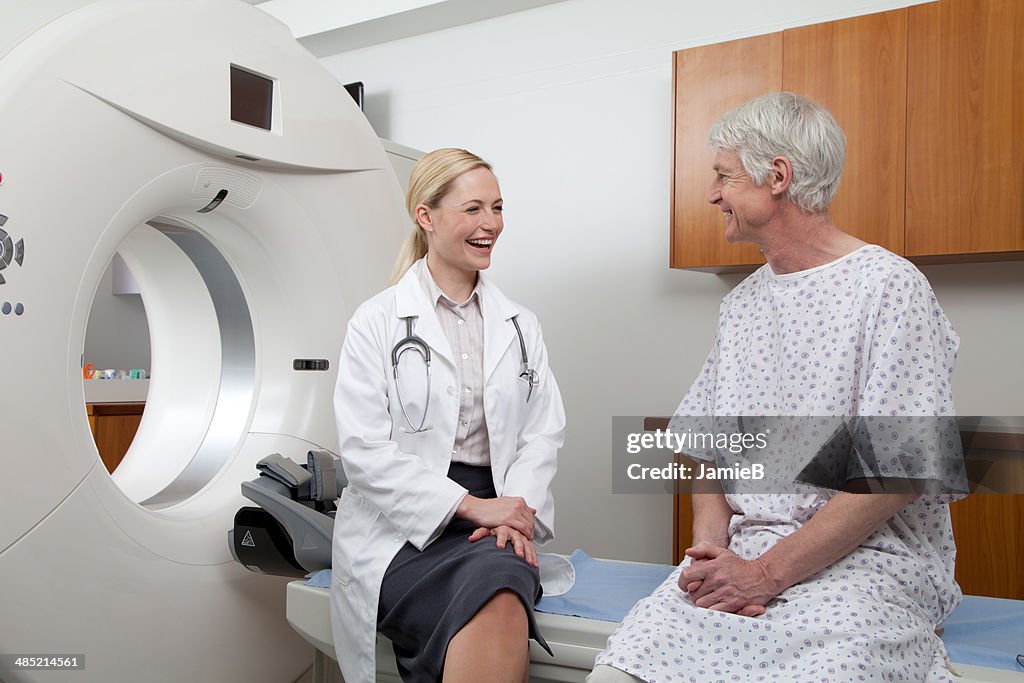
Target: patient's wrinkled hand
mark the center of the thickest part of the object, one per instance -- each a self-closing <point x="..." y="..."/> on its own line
<point x="723" y="581"/>
<point x="522" y="546"/>
<point x="690" y="585"/>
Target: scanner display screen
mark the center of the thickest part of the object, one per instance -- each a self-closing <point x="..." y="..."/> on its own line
<point x="252" y="98"/>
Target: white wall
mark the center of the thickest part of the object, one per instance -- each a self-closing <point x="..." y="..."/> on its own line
<point x="571" y="102"/>
<point x="117" y="335"/>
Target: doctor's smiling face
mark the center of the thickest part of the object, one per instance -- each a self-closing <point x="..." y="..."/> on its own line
<point x="462" y="230"/>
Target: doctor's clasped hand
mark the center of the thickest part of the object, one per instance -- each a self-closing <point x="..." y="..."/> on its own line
<point x="510" y="511"/>
<point x="507" y="518"/>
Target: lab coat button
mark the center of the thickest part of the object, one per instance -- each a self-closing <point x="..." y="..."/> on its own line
<point x="465" y="356"/>
<point x="451" y="391"/>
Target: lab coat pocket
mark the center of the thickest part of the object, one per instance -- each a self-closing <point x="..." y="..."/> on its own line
<point x="505" y="403"/>
<point x="352" y="524"/>
<point x="523" y="395"/>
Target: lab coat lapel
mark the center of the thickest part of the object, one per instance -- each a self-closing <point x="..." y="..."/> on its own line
<point x="411" y="299"/>
<point x="499" y="332"/>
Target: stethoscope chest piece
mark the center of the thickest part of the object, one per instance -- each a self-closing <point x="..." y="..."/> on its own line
<point x="525" y="371"/>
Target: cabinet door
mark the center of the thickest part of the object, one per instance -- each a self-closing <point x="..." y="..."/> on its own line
<point x="709" y="81"/>
<point x="682" y="525"/>
<point x="989" y="546"/>
<point x="856" y="68"/>
<point x="965" y="108"/>
<point x="113" y="429"/>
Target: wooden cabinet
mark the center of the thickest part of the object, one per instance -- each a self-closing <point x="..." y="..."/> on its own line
<point x="708" y="82"/>
<point x="965" y="134"/>
<point x="857" y="69"/>
<point x="989" y="532"/>
<point x="935" y="147"/>
<point x="113" y="428"/>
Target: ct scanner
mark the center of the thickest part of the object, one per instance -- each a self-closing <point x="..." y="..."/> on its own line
<point x="256" y="208"/>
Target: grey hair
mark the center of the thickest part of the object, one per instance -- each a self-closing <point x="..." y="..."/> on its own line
<point x="787" y="125"/>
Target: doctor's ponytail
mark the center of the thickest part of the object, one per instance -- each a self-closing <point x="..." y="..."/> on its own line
<point x="430" y="181"/>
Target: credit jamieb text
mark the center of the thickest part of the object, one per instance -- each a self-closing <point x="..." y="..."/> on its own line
<point x="702" y="470"/>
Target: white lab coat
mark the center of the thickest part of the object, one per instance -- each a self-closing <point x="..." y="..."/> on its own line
<point x="398" y="488"/>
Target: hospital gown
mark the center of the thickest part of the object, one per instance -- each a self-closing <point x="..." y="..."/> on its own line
<point x="863" y="335"/>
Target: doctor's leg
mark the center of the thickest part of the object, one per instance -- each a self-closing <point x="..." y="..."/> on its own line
<point x="609" y="674"/>
<point x="494" y="646"/>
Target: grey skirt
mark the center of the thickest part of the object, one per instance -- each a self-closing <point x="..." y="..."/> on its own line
<point x="427" y="597"/>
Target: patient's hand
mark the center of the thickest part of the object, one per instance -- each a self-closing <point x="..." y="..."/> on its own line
<point x="720" y="580"/>
<point x="523" y="546"/>
<point x="690" y="585"/>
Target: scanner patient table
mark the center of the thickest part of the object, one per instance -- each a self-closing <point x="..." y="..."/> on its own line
<point x="982" y="636"/>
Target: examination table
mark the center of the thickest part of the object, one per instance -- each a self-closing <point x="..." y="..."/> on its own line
<point x="982" y="637"/>
<point x="291" y="531"/>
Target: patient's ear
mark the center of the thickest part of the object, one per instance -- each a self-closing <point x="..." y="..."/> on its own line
<point x="781" y="176"/>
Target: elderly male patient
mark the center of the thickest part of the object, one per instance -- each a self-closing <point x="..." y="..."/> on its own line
<point x="809" y="583"/>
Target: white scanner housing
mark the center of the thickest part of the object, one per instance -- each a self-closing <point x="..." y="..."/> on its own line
<point x="121" y="128"/>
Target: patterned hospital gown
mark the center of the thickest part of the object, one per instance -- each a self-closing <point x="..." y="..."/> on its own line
<point x="862" y="335"/>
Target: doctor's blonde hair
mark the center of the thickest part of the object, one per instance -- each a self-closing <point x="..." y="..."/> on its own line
<point x="431" y="180"/>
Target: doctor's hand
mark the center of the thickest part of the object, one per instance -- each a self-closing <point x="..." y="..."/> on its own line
<point x="523" y="547"/>
<point x="727" y="583"/>
<point x="510" y="511"/>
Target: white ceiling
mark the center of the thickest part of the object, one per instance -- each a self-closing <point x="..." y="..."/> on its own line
<point x="327" y="27"/>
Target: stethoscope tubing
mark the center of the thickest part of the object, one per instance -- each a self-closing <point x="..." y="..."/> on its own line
<point x="412" y="342"/>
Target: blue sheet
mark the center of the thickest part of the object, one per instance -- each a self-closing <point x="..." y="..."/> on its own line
<point x="986" y="632"/>
<point x="320" y="579"/>
<point x="605" y="589"/>
<point x="982" y="631"/>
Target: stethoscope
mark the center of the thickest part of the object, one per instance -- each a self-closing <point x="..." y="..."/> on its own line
<point x="411" y="342"/>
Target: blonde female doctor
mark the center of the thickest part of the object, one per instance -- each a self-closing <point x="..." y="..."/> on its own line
<point x="449" y="422"/>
